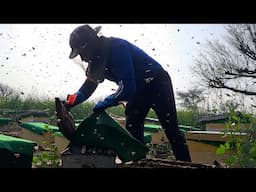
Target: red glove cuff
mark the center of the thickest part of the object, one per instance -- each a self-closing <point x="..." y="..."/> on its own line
<point x="71" y="99"/>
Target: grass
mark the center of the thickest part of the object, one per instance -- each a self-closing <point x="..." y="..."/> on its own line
<point x="81" y="111"/>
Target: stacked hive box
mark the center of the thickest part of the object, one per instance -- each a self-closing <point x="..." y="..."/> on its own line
<point x="203" y="145"/>
<point x="44" y="135"/>
<point x="15" y="152"/>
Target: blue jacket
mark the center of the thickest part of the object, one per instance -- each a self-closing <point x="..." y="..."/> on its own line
<point x="129" y="67"/>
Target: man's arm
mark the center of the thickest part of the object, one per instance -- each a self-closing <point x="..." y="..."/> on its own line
<point x="83" y="93"/>
<point x="126" y="84"/>
<point x="126" y="90"/>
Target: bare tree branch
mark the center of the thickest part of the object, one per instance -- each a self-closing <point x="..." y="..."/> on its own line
<point x="191" y="98"/>
<point x="230" y="67"/>
<point x="5" y="90"/>
<point x="232" y="89"/>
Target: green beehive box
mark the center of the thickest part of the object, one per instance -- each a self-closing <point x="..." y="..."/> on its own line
<point x="147" y="138"/>
<point x="157" y="133"/>
<point x="41" y="133"/>
<point x="39" y="127"/>
<point x="102" y="131"/>
<point x="5" y="121"/>
<point x="16" y="152"/>
<point x="152" y="128"/>
<point x="185" y="128"/>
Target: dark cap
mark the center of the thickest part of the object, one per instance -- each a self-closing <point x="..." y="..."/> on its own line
<point x="80" y="38"/>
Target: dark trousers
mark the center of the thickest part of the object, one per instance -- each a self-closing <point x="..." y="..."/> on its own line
<point x="157" y="93"/>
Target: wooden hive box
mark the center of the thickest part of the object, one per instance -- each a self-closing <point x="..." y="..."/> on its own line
<point x="157" y="133"/>
<point x="203" y="145"/>
<point x="5" y="123"/>
<point x="44" y="135"/>
<point x="223" y="126"/>
<point x="33" y="116"/>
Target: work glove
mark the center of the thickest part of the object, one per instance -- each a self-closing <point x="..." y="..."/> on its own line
<point x="66" y="105"/>
<point x="69" y="103"/>
<point x="99" y="107"/>
<point x="106" y="103"/>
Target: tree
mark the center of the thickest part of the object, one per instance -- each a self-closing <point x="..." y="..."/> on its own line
<point x="5" y="91"/>
<point x="230" y="65"/>
<point x="191" y="98"/>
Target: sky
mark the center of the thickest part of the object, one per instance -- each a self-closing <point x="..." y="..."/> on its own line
<point x="34" y="57"/>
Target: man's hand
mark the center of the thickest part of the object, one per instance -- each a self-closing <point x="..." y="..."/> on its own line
<point x="66" y="105"/>
<point x="71" y="99"/>
<point x="99" y="107"/>
<point x="69" y="103"/>
<point x="106" y="103"/>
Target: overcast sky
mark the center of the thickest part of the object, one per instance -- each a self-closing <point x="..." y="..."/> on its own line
<point x="34" y="57"/>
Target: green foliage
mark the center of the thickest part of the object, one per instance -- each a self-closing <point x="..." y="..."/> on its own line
<point x="83" y="110"/>
<point x="188" y="117"/>
<point x="185" y="117"/>
<point x="241" y="152"/>
<point x="116" y="110"/>
<point x="222" y="149"/>
<point x="162" y="150"/>
<point x="47" y="158"/>
<point x="16" y="104"/>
